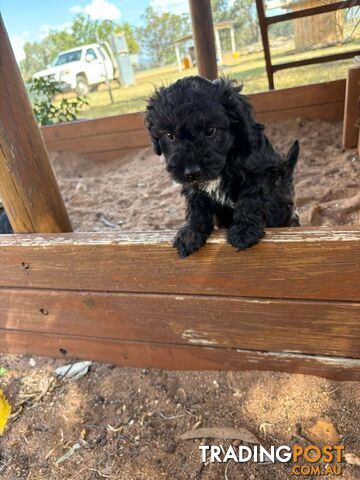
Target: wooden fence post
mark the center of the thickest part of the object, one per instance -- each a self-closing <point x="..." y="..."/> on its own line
<point x="265" y="42"/>
<point x="28" y="187"/>
<point x="203" y="31"/>
<point x="352" y="108"/>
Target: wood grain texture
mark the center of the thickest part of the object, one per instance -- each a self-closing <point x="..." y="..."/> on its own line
<point x="352" y="109"/>
<point x="204" y="39"/>
<point x="297" y="97"/>
<point x="328" y="7"/>
<point x="265" y="41"/>
<point x="314" y="60"/>
<point x="28" y="187"/>
<point x="302" y="263"/>
<point x="328" y="328"/>
<point x="97" y="126"/>
<point x="103" y="143"/>
<point x="176" y="357"/>
<point x="326" y="112"/>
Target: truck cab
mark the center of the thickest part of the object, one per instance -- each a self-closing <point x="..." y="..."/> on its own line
<point x="81" y="68"/>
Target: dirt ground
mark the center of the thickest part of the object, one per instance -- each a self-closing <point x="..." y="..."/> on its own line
<point x="139" y="195"/>
<point x="121" y="423"/>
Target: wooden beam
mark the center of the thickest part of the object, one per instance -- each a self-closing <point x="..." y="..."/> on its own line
<point x="329" y="7"/>
<point x="128" y="299"/>
<point x="103" y="143"/>
<point x="326" y="111"/>
<point x="93" y="127"/>
<point x="298" y="263"/>
<point x="265" y="42"/>
<point x="203" y="33"/>
<point x="315" y="60"/>
<point x="28" y="187"/>
<point x="298" y="97"/>
<point x="352" y="108"/>
<point x="310" y="327"/>
<point x="176" y="357"/>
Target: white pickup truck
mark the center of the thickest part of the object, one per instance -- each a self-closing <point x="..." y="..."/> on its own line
<point x="81" y="68"/>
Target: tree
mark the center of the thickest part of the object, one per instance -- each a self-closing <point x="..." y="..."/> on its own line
<point x="37" y="56"/>
<point x="244" y="13"/>
<point x="220" y="10"/>
<point x="82" y="31"/>
<point x="159" y="33"/>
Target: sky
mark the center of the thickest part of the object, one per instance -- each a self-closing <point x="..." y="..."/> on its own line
<point x="30" y="20"/>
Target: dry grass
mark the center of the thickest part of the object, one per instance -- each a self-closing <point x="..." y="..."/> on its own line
<point x="249" y="68"/>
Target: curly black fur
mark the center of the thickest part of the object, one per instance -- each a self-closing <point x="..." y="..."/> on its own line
<point x="5" y="226"/>
<point x="229" y="171"/>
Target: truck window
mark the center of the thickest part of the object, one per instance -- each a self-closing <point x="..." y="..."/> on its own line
<point x="67" y="58"/>
<point x="90" y="51"/>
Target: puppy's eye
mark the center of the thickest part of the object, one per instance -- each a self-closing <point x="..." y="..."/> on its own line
<point x="170" y="136"/>
<point x="210" y="132"/>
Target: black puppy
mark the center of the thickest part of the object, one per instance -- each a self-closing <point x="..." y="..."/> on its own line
<point x="229" y="170"/>
<point x="5" y="226"/>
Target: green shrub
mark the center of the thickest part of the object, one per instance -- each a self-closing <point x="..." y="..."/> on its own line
<point x="48" y="111"/>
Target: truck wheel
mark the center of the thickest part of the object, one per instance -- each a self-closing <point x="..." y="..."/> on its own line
<point x="82" y="86"/>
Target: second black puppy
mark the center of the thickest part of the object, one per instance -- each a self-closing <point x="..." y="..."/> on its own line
<point x="228" y="168"/>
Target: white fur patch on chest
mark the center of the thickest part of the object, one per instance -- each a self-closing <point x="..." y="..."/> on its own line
<point x="214" y="190"/>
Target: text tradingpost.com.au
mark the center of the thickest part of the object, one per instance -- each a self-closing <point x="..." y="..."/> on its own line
<point x="330" y="457"/>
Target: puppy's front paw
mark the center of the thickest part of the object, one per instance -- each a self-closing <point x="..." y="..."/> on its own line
<point x="188" y="240"/>
<point x="244" y="236"/>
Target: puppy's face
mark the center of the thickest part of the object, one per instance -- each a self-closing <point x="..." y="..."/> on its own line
<point x="195" y="145"/>
<point x="190" y="125"/>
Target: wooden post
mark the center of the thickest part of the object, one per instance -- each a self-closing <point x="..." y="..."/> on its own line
<point x="203" y="31"/>
<point x="265" y="41"/>
<point x="28" y="187"/>
<point x="352" y="108"/>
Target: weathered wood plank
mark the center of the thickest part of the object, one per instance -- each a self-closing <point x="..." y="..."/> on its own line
<point x="328" y="328"/>
<point x="97" y="126"/>
<point x="326" y="112"/>
<point x="103" y="143"/>
<point x="352" y="108"/>
<point x="303" y="96"/>
<point x="302" y="263"/>
<point x="28" y="187"/>
<point x="176" y="357"/>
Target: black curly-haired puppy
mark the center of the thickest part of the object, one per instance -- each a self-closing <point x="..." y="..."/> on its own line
<point x="5" y="226"/>
<point x="229" y="171"/>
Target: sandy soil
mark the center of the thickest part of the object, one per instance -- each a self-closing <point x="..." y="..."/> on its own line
<point x="125" y="421"/>
<point x="139" y="195"/>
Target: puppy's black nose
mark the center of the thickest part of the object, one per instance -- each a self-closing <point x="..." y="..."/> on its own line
<point x="192" y="172"/>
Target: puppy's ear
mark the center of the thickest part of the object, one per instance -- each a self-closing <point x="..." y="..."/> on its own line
<point x="150" y="126"/>
<point x="155" y="143"/>
<point x="149" y="123"/>
<point x="247" y="132"/>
